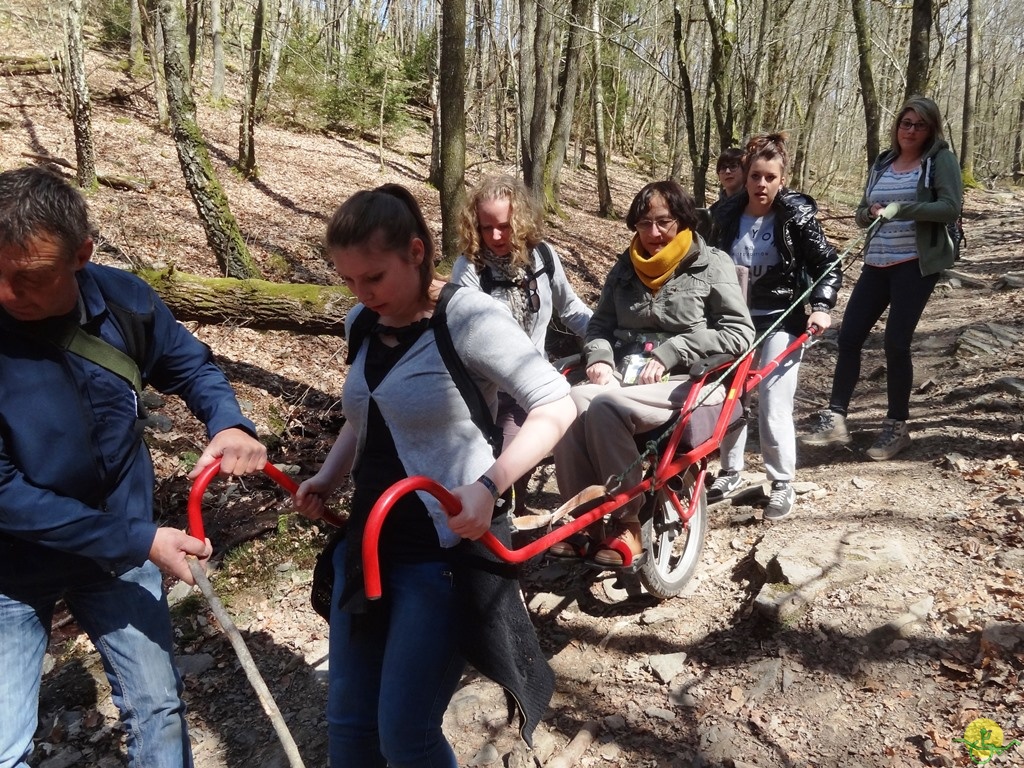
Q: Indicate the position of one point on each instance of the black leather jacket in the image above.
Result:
(804, 250)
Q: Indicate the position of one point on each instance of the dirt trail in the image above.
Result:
(884, 671)
(887, 670)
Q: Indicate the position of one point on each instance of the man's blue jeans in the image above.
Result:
(127, 619)
(391, 680)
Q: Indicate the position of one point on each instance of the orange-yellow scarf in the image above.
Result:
(655, 270)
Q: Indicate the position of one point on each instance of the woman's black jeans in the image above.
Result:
(901, 288)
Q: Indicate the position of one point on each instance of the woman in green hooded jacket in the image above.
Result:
(902, 264)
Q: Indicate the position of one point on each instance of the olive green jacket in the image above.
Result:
(700, 311)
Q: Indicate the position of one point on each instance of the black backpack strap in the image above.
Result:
(361, 326)
(547, 255)
(488, 282)
(479, 411)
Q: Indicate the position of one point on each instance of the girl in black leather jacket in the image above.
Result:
(779, 248)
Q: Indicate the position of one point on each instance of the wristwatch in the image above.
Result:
(487, 483)
(821, 308)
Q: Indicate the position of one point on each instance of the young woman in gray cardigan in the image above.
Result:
(395, 663)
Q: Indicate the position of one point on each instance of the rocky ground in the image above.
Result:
(869, 629)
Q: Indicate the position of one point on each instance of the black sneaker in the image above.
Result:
(781, 501)
(724, 486)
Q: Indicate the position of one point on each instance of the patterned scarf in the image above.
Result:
(655, 270)
(504, 271)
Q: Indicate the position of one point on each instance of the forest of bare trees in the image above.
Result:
(536, 86)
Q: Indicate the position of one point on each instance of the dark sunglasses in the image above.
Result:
(529, 287)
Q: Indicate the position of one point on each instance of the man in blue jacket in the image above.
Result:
(76, 479)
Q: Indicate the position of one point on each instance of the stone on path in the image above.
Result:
(987, 339)
(796, 572)
(666, 666)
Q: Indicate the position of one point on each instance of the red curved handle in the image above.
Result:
(371, 533)
(195, 496)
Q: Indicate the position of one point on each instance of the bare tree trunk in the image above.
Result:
(568, 87)
(247, 126)
(137, 43)
(211, 202)
(866, 77)
(435, 112)
(970, 78)
(814, 100)
(1017, 163)
(526, 80)
(217, 40)
(277, 41)
(501, 99)
(258, 304)
(81, 110)
(605, 206)
(722, 20)
(918, 62)
(481, 113)
(453, 121)
(698, 163)
(193, 23)
(542, 119)
(154, 35)
(751, 100)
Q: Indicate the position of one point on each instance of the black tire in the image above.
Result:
(673, 551)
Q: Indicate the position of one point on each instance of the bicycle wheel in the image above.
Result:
(673, 549)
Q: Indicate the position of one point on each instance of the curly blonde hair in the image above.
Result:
(526, 220)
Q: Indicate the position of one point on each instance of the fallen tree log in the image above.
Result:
(258, 304)
(114, 182)
(29, 65)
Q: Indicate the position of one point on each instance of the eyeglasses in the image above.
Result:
(910, 125)
(648, 225)
(529, 286)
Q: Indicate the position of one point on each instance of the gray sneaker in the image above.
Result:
(781, 501)
(827, 428)
(724, 486)
(894, 437)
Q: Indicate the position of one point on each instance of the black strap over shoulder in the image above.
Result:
(478, 408)
(547, 255)
(361, 326)
(479, 411)
(488, 282)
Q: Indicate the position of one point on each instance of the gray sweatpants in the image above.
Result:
(774, 414)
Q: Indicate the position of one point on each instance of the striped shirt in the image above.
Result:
(895, 241)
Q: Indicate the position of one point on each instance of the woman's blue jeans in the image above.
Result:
(391, 680)
(905, 292)
(127, 619)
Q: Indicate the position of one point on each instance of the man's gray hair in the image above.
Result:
(35, 201)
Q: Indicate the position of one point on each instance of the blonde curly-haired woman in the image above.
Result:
(501, 236)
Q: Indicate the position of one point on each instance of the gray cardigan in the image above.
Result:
(430, 422)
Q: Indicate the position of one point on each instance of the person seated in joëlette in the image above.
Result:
(668, 301)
